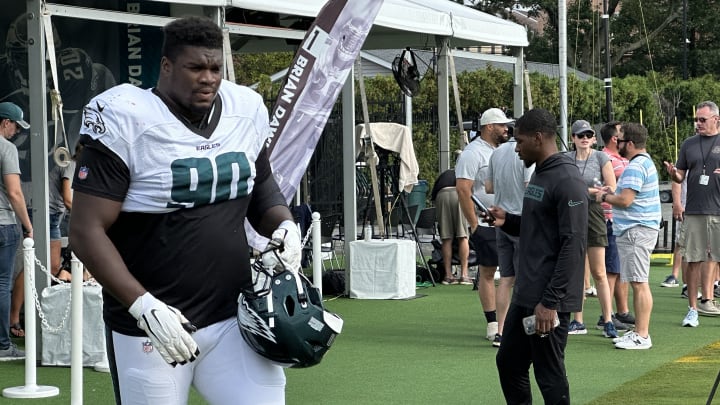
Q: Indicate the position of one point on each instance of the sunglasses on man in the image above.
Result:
(703, 119)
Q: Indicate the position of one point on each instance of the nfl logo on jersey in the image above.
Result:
(83, 172)
(147, 347)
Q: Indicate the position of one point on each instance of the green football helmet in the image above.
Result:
(283, 319)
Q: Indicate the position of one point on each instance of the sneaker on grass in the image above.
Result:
(496, 341)
(619, 326)
(576, 328)
(591, 292)
(684, 294)
(670, 281)
(633, 341)
(11, 353)
(708, 308)
(492, 330)
(691, 319)
(609, 331)
(620, 338)
(627, 318)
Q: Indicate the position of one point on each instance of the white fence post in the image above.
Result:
(30, 389)
(316, 251)
(76, 331)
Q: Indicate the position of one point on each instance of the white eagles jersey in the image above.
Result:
(170, 165)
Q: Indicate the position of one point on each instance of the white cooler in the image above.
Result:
(382, 269)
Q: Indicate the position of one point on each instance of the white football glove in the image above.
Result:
(167, 329)
(290, 252)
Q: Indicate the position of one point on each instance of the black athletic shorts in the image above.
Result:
(484, 243)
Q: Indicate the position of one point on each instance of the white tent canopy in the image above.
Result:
(401, 23)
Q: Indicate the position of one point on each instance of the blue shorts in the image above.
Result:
(55, 220)
(612, 258)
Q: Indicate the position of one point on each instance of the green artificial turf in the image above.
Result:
(431, 350)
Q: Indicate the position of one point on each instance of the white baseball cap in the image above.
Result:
(494, 116)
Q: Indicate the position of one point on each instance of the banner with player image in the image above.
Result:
(91, 56)
(314, 80)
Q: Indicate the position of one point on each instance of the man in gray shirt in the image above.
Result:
(699, 161)
(507, 178)
(12, 203)
(470, 173)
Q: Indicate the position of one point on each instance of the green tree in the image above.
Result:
(645, 35)
(251, 68)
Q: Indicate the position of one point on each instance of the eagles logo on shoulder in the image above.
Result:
(92, 118)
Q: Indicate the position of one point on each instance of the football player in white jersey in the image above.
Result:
(166, 180)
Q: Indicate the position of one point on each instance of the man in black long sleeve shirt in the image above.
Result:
(549, 280)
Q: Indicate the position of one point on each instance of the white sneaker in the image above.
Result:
(623, 337)
(591, 292)
(633, 341)
(492, 330)
(691, 319)
(708, 308)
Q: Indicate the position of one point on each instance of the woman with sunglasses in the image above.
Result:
(596, 169)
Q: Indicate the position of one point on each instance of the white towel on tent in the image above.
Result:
(396, 138)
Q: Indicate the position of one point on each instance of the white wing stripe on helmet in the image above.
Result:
(253, 323)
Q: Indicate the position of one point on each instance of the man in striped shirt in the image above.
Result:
(637, 214)
(610, 133)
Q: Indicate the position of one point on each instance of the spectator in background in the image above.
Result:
(699, 162)
(595, 168)
(609, 133)
(679, 192)
(637, 213)
(507, 178)
(471, 173)
(60, 203)
(452, 226)
(12, 204)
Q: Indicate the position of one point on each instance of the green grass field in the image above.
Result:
(430, 350)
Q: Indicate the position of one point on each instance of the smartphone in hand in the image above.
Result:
(483, 209)
(529, 324)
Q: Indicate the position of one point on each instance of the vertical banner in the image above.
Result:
(140, 45)
(315, 78)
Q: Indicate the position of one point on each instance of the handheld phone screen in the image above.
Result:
(483, 208)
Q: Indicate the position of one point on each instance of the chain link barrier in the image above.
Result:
(55, 329)
(43, 318)
(307, 236)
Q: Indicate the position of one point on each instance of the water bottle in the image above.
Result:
(368, 233)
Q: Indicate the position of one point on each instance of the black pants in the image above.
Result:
(546, 354)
